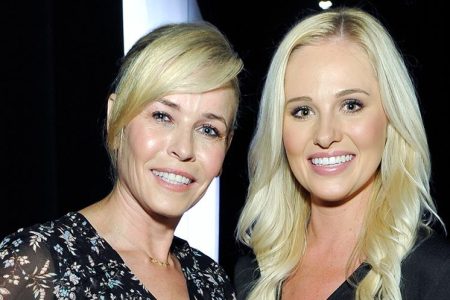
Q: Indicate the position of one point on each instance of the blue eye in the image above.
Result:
(161, 116)
(210, 131)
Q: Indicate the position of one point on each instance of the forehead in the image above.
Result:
(218, 101)
(339, 60)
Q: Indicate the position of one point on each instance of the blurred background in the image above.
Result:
(60, 57)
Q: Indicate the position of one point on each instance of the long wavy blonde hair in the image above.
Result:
(276, 213)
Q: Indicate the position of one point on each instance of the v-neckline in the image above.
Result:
(347, 287)
(116, 256)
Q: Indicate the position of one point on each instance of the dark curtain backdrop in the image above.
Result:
(59, 58)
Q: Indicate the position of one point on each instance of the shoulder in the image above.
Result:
(18, 248)
(27, 266)
(431, 250)
(33, 237)
(56, 238)
(426, 270)
(246, 272)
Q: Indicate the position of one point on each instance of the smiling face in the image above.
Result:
(173, 149)
(334, 126)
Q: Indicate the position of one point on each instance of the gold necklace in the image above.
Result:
(158, 262)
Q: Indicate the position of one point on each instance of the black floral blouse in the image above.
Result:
(67, 259)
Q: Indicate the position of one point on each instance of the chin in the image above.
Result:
(330, 199)
(173, 212)
(167, 212)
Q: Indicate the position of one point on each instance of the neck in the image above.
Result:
(339, 225)
(127, 227)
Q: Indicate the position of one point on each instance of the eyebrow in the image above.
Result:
(301, 98)
(339, 94)
(209, 116)
(169, 103)
(351, 91)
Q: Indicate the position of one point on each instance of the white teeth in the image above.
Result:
(333, 160)
(172, 178)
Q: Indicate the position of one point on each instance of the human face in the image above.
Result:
(174, 148)
(334, 127)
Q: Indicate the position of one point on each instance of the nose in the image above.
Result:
(181, 145)
(327, 132)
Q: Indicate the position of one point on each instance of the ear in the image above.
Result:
(110, 104)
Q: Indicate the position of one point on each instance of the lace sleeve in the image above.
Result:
(26, 268)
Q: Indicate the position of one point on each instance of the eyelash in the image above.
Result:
(354, 102)
(302, 109)
(160, 116)
(349, 102)
(205, 129)
(215, 134)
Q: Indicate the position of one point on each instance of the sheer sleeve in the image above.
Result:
(26, 268)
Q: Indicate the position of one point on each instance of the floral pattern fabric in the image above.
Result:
(66, 259)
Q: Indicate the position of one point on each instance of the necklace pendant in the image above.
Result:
(158, 262)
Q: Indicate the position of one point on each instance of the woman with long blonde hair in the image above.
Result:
(339, 203)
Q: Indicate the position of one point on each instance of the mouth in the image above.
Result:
(172, 178)
(332, 160)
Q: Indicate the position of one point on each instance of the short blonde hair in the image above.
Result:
(174, 58)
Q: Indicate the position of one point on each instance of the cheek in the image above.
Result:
(211, 158)
(371, 134)
(142, 144)
(293, 142)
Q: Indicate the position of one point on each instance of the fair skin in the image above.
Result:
(334, 133)
(168, 156)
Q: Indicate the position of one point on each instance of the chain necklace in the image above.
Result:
(158, 262)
